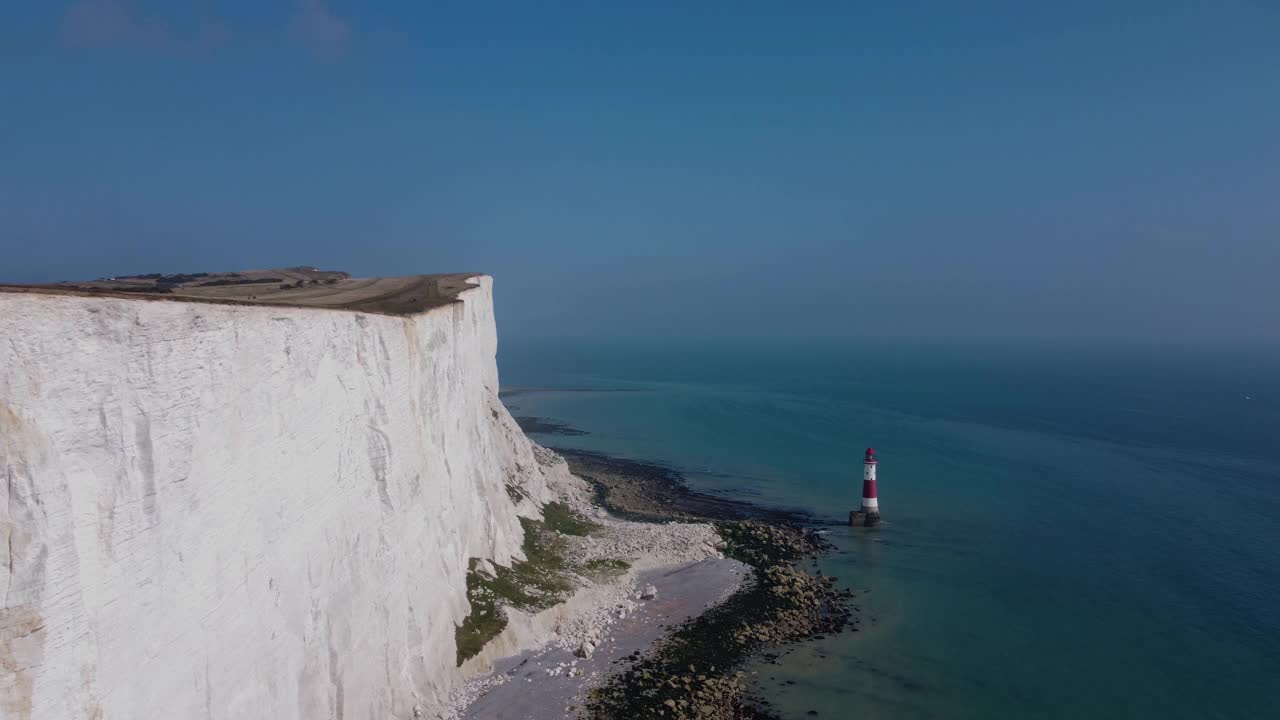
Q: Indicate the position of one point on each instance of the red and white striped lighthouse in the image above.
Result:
(869, 515)
(870, 505)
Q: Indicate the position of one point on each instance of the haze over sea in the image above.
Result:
(1072, 530)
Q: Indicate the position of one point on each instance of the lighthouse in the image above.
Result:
(869, 515)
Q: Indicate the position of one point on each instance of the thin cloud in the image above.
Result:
(213, 32)
(122, 24)
(106, 23)
(317, 29)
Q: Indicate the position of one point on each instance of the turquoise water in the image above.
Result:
(1071, 530)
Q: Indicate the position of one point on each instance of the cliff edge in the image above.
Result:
(240, 508)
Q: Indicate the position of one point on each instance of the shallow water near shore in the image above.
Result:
(550, 692)
(1069, 528)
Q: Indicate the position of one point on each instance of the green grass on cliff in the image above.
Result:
(542, 579)
(603, 569)
(562, 519)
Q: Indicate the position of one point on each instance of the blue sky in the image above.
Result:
(1085, 169)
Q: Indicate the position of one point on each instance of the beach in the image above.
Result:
(627, 642)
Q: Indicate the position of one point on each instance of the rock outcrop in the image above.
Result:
(238, 511)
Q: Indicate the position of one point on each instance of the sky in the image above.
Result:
(671, 169)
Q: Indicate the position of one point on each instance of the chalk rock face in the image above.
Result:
(221, 511)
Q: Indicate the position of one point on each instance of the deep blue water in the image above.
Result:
(1071, 530)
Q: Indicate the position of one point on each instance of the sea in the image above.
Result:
(1070, 529)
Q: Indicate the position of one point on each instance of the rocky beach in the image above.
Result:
(670, 635)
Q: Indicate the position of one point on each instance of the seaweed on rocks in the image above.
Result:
(694, 673)
(647, 492)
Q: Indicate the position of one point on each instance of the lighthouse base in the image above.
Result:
(862, 518)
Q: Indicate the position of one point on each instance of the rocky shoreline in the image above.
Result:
(694, 672)
(613, 651)
(644, 491)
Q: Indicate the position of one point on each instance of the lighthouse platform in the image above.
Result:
(862, 518)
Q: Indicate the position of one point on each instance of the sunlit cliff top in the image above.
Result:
(292, 287)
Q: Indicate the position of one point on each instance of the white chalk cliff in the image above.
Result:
(234, 511)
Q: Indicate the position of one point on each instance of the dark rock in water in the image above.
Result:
(647, 492)
(546, 426)
(784, 606)
(697, 666)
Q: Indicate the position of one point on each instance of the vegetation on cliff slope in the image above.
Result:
(544, 578)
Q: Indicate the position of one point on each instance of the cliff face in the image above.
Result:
(214, 511)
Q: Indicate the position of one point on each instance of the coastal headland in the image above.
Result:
(295, 494)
